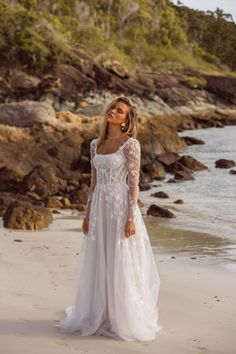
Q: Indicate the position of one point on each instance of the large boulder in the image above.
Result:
(167, 158)
(43, 181)
(27, 113)
(192, 163)
(26, 216)
(155, 170)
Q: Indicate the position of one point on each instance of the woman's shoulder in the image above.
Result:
(133, 142)
(132, 145)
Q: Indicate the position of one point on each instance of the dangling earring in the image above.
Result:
(124, 127)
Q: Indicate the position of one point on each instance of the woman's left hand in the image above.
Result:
(129, 228)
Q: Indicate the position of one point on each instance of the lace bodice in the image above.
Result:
(122, 166)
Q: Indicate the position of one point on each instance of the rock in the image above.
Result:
(224, 163)
(179, 201)
(80, 195)
(116, 68)
(172, 180)
(223, 87)
(72, 82)
(160, 195)
(66, 202)
(190, 140)
(144, 186)
(155, 210)
(9, 179)
(41, 180)
(34, 196)
(140, 203)
(27, 113)
(25, 216)
(167, 158)
(145, 178)
(83, 164)
(232, 172)
(155, 170)
(158, 138)
(177, 166)
(192, 163)
(183, 176)
(6, 198)
(52, 202)
(21, 80)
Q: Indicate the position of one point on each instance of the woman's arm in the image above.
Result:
(93, 180)
(132, 154)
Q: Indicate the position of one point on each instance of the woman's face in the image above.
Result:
(117, 113)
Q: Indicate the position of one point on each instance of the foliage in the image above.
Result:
(212, 31)
(149, 33)
(193, 81)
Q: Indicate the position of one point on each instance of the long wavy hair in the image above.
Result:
(132, 116)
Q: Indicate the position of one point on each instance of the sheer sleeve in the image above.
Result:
(93, 180)
(132, 153)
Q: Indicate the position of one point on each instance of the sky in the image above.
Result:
(229, 6)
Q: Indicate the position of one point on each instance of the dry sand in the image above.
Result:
(196, 300)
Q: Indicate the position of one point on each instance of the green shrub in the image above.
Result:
(193, 81)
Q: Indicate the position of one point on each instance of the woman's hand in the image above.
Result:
(129, 228)
(85, 226)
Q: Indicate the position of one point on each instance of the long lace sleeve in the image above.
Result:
(132, 153)
(93, 180)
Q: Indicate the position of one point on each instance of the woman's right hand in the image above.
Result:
(85, 226)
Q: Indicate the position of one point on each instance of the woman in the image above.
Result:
(118, 282)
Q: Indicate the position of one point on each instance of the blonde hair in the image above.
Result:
(132, 116)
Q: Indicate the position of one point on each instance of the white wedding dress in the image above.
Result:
(117, 281)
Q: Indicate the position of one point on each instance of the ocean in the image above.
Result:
(209, 204)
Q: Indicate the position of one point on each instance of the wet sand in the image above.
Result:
(185, 244)
(196, 300)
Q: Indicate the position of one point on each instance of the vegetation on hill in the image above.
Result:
(152, 34)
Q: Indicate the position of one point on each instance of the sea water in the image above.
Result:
(209, 201)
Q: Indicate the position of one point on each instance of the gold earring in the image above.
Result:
(124, 127)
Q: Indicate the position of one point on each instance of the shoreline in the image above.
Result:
(196, 300)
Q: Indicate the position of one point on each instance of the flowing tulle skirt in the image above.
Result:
(117, 281)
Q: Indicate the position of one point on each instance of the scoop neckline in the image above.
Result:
(112, 153)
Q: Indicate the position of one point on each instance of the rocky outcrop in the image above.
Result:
(222, 87)
(47, 123)
(192, 98)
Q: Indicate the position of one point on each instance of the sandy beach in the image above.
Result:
(196, 300)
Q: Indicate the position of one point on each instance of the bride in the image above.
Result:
(117, 283)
